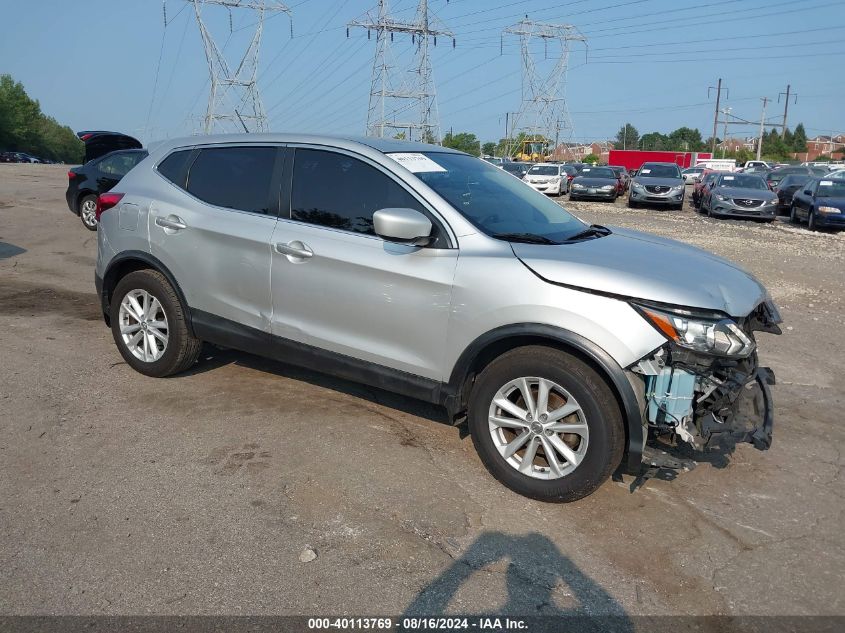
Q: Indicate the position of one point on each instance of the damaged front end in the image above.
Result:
(705, 386)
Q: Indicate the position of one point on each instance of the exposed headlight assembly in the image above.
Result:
(829, 210)
(608, 187)
(638, 186)
(719, 196)
(722, 337)
(576, 185)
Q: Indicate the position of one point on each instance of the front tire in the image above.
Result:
(811, 221)
(793, 215)
(545, 424)
(631, 203)
(149, 326)
(88, 212)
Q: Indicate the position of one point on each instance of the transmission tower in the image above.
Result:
(543, 113)
(234, 103)
(391, 90)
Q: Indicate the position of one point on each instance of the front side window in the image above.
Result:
(830, 188)
(234, 178)
(341, 192)
(495, 203)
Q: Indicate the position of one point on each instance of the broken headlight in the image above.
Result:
(720, 337)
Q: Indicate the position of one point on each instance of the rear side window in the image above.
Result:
(234, 177)
(120, 164)
(341, 192)
(175, 167)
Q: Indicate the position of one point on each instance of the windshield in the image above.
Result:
(544, 170)
(650, 170)
(743, 181)
(493, 201)
(597, 172)
(513, 167)
(831, 189)
(794, 180)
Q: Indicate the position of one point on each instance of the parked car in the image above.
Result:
(702, 185)
(99, 175)
(595, 182)
(787, 187)
(571, 172)
(393, 277)
(493, 160)
(740, 195)
(548, 178)
(518, 169)
(691, 173)
(755, 164)
(623, 176)
(821, 202)
(776, 175)
(657, 183)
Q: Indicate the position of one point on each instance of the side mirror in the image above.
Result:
(808, 192)
(402, 225)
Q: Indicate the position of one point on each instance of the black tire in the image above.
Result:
(85, 212)
(793, 215)
(811, 220)
(601, 411)
(182, 348)
(631, 203)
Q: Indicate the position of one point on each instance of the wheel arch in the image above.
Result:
(79, 196)
(129, 262)
(493, 344)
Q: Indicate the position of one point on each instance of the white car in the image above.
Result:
(548, 178)
(691, 173)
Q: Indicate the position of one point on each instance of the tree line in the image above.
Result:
(24, 128)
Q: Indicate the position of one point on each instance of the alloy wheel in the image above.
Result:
(88, 212)
(538, 428)
(143, 325)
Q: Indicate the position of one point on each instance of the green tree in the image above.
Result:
(489, 149)
(685, 139)
(627, 137)
(590, 158)
(399, 136)
(799, 139)
(774, 147)
(654, 141)
(462, 141)
(24, 128)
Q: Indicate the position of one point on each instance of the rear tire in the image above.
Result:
(171, 348)
(593, 440)
(88, 211)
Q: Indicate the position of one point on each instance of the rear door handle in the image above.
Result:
(294, 249)
(171, 222)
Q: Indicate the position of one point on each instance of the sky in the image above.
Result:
(113, 64)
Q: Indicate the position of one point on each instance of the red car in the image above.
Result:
(702, 185)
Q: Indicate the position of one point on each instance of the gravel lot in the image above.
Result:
(198, 494)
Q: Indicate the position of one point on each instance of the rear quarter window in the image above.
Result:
(175, 167)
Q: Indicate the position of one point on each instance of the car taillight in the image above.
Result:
(771, 184)
(71, 175)
(106, 201)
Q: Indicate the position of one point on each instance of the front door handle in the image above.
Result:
(294, 249)
(171, 222)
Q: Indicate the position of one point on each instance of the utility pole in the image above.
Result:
(786, 106)
(234, 97)
(718, 89)
(543, 95)
(727, 113)
(765, 100)
(388, 88)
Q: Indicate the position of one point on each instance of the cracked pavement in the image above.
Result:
(122, 494)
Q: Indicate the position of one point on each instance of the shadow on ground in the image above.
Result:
(213, 357)
(541, 582)
(10, 250)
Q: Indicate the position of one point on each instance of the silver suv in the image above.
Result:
(428, 272)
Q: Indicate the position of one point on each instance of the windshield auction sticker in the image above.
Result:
(417, 163)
